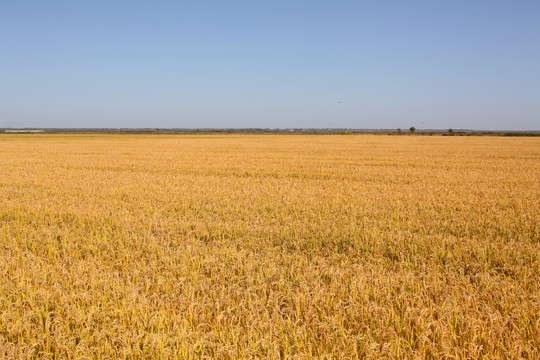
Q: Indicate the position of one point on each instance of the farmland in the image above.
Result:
(269, 246)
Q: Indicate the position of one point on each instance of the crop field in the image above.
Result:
(269, 246)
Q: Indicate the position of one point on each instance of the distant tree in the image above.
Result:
(450, 131)
(412, 129)
(399, 130)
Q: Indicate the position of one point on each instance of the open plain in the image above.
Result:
(269, 246)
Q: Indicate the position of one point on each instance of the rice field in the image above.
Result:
(269, 247)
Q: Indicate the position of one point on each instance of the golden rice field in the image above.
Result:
(269, 247)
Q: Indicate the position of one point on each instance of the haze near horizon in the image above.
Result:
(278, 64)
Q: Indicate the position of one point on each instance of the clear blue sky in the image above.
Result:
(275, 63)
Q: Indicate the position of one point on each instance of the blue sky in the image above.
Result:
(270, 64)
